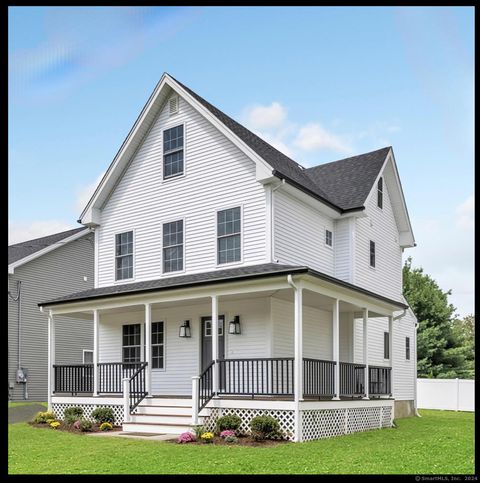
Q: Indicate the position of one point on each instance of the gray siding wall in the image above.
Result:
(54, 274)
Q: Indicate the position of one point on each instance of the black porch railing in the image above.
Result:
(318, 378)
(352, 379)
(205, 387)
(137, 388)
(73, 378)
(110, 375)
(379, 380)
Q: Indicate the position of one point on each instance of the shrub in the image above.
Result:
(77, 424)
(48, 421)
(55, 424)
(226, 433)
(186, 438)
(231, 439)
(106, 427)
(41, 417)
(265, 427)
(231, 421)
(199, 430)
(207, 437)
(85, 425)
(73, 411)
(103, 415)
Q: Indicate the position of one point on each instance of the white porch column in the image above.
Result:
(148, 348)
(215, 342)
(390, 350)
(126, 399)
(365, 351)
(51, 359)
(95, 352)
(298, 361)
(195, 394)
(336, 346)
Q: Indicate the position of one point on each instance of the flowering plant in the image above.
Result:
(54, 424)
(186, 438)
(76, 424)
(227, 432)
(207, 437)
(106, 427)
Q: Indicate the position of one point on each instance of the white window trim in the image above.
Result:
(383, 193)
(83, 354)
(409, 348)
(169, 125)
(176, 272)
(242, 228)
(330, 247)
(376, 254)
(142, 342)
(389, 355)
(123, 280)
(158, 369)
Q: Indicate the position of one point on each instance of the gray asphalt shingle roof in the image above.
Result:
(226, 275)
(343, 184)
(24, 249)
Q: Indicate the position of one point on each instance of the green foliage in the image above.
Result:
(72, 414)
(103, 415)
(199, 430)
(230, 421)
(231, 439)
(85, 425)
(42, 417)
(265, 427)
(441, 349)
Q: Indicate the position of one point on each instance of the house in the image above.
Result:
(47, 267)
(202, 228)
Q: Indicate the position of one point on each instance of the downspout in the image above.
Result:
(18, 298)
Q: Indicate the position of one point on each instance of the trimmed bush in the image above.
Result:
(231, 421)
(41, 417)
(103, 415)
(76, 411)
(265, 427)
(85, 425)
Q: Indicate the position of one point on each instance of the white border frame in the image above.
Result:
(330, 247)
(83, 355)
(242, 228)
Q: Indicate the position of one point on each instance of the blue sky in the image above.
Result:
(319, 83)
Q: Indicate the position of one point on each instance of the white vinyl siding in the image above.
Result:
(217, 175)
(342, 250)
(299, 234)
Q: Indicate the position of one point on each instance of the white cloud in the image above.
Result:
(19, 232)
(85, 193)
(265, 117)
(465, 214)
(314, 137)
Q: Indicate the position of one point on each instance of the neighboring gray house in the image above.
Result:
(46, 267)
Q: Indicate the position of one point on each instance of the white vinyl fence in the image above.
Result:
(453, 394)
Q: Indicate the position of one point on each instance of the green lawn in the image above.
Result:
(441, 442)
(26, 403)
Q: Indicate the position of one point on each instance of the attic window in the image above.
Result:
(173, 105)
(380, 193)
(173, 152)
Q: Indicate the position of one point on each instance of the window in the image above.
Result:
(173, 152)
(372, 253)
(208, 326)
(131, 343)
(407, 348)
(386, 345)
(87, 357)
(228, 233)
(328, 238)
(158, 342)
(173, 246)
(380, 193)
(124, 255)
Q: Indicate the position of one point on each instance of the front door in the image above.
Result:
(207, 340)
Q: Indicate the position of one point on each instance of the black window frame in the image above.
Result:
(122, 256)
(223, 234)
(386, 345)
(166, 248)
(407, 348)
(137, 347)
(372, 254)
(380, 193)
(156, 358)
(169, 152)
(329, 238)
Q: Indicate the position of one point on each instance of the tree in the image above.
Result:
(464, 333)
(441, 350)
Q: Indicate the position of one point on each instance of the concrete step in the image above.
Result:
(157, 428)
(152, 409)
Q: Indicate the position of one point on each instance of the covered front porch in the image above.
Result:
(284, 343)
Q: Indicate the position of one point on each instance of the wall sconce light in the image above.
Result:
(234, 325)
(185, 329)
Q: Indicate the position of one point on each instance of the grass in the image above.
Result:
(26, 403)
(441, 442)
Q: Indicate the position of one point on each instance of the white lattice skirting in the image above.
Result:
(58, 409)
(325, 423)
(285, 418)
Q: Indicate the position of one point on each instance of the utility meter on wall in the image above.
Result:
(22, 374)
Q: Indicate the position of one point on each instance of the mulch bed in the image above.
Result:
(242, 441)
(70, 429)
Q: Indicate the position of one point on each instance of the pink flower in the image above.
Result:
(227, 432)
(186, 438)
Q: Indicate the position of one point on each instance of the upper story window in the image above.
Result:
(124, 255)
(229, 235)
(386, 345)
(131, 343)
(407, 348)
(372, 253)
(173, 246)
(328, 238)
(380, 193)
(173, 152)
(158, 342)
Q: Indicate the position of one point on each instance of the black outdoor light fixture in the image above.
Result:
(185, 329)
(234, 325)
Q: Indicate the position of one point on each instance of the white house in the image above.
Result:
(203, 228)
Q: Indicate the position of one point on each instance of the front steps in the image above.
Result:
(161, 416)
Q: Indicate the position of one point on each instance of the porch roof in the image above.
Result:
(196, 279)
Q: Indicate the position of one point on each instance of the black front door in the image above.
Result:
(207, 340)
